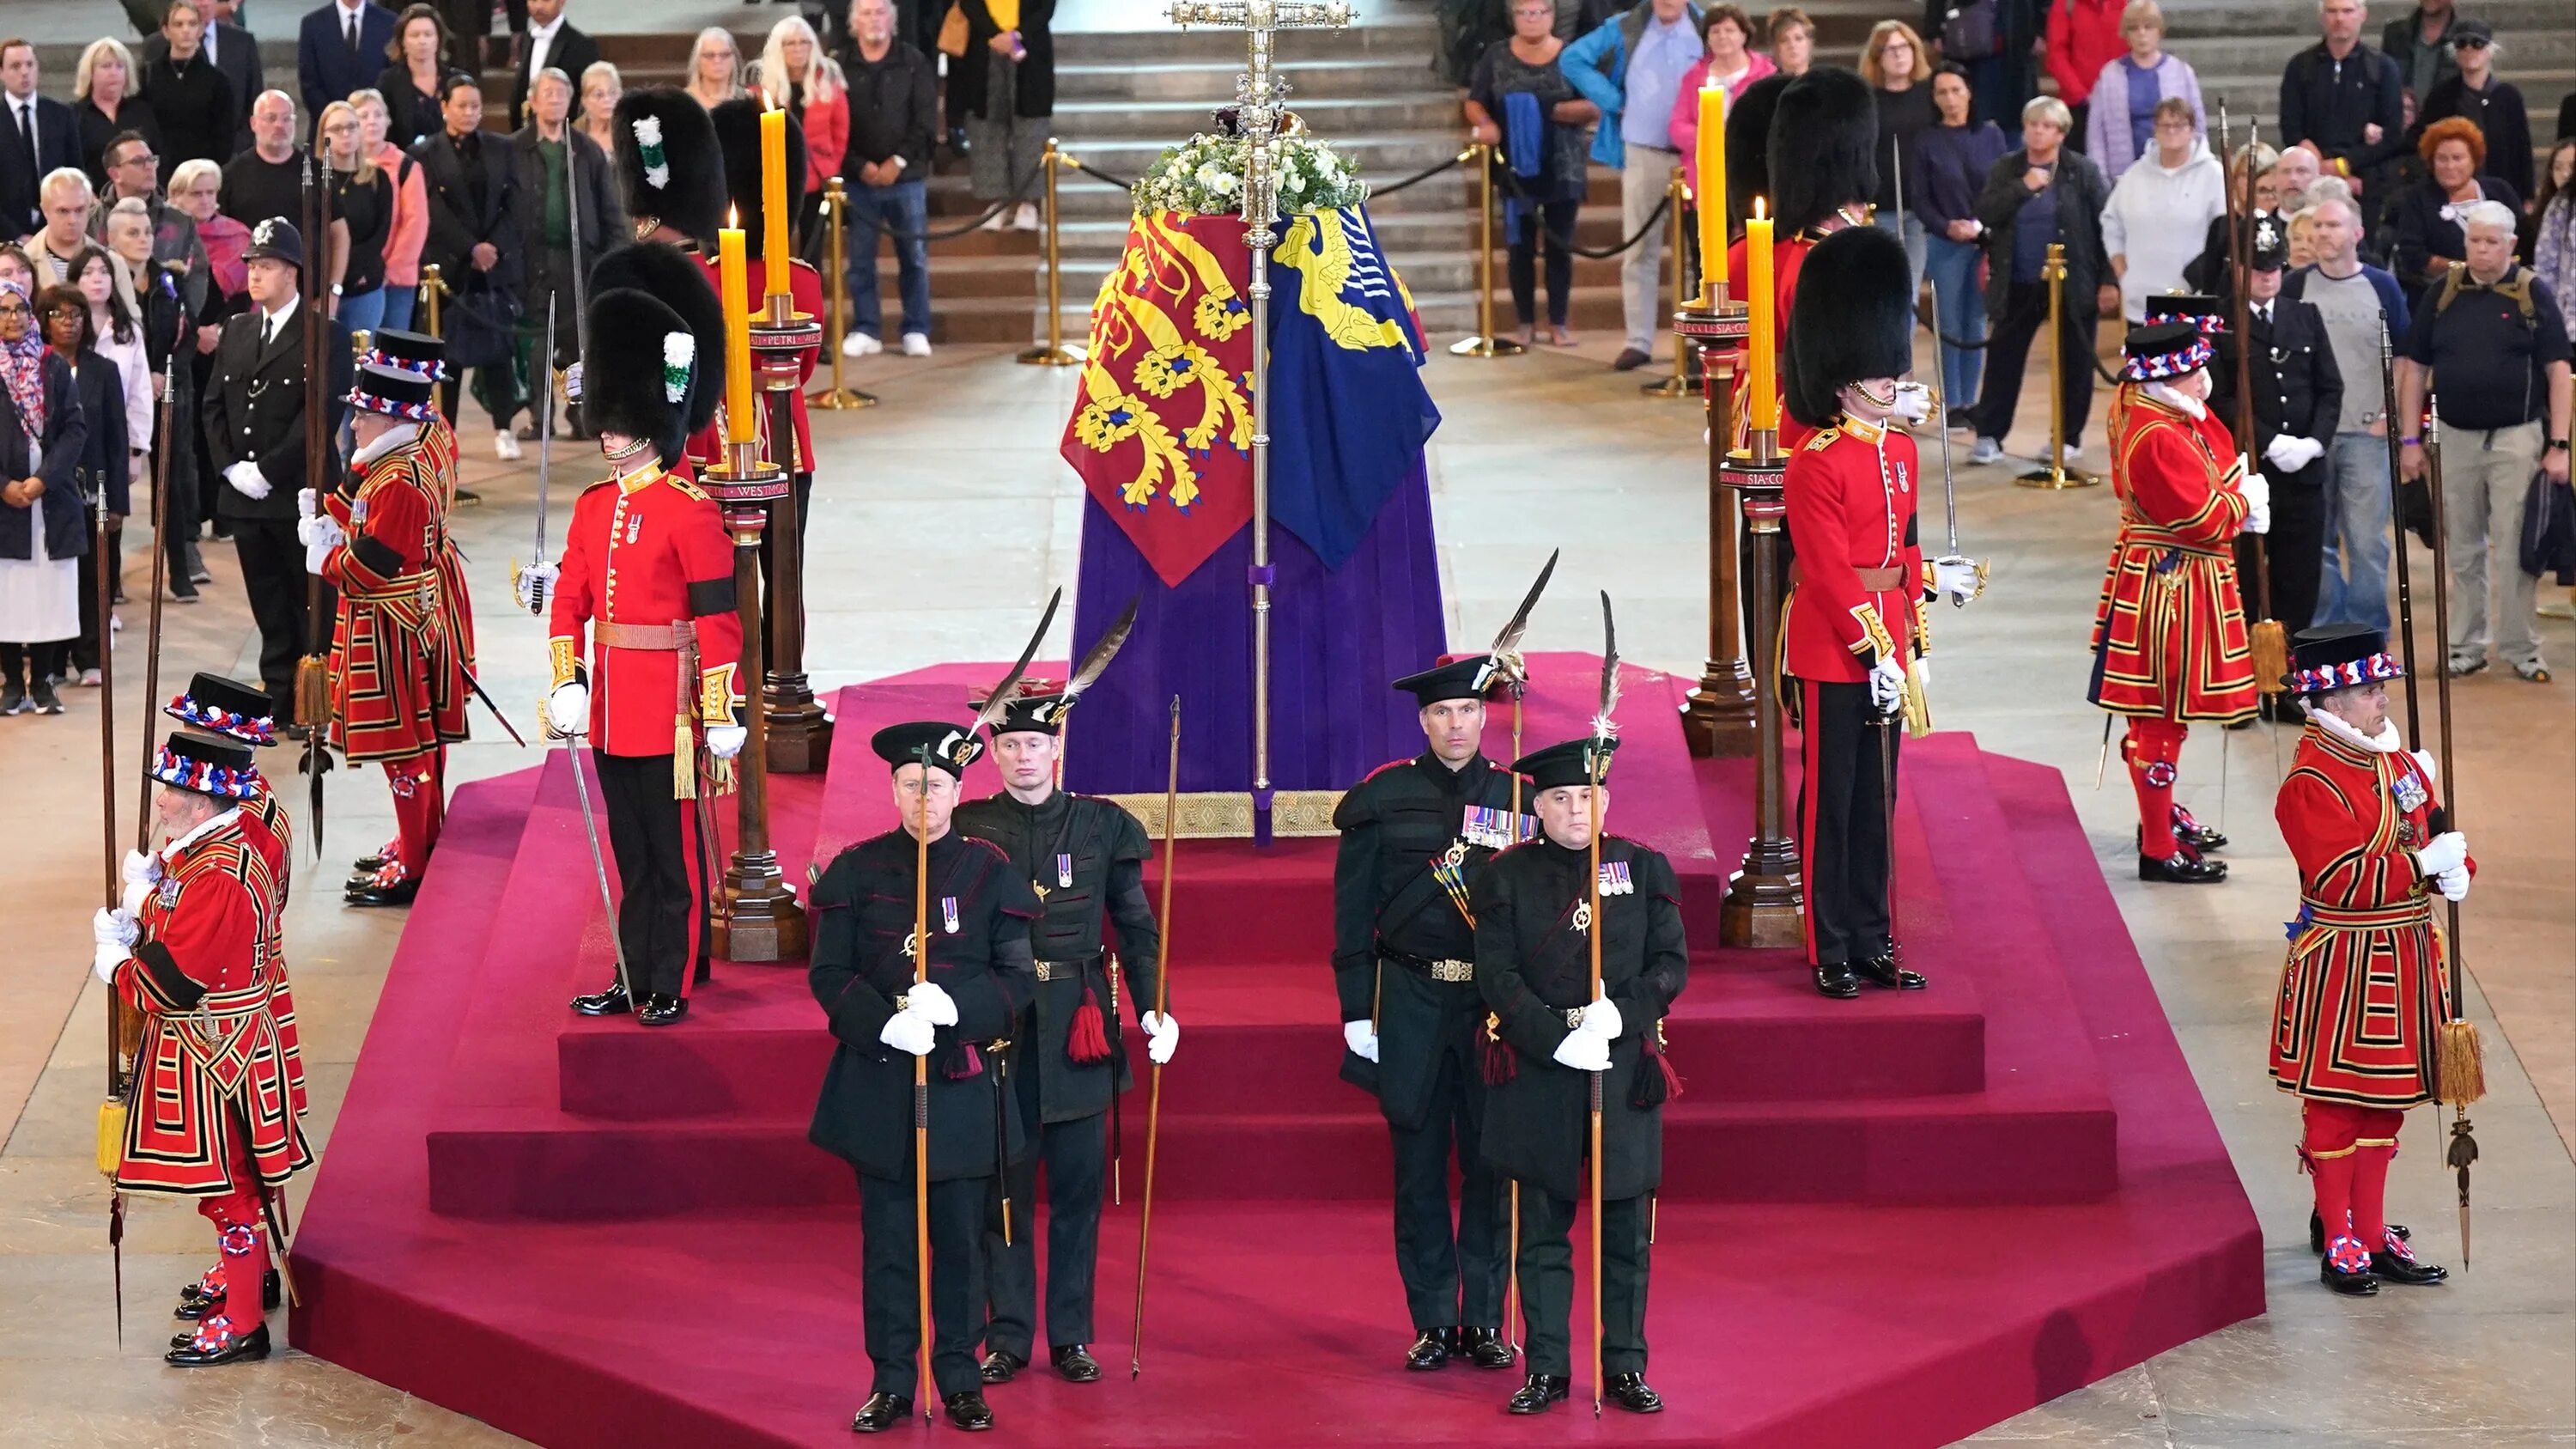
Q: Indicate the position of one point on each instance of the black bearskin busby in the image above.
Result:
(646, 373)
(737, 124)
(1748, 143)
(1853, 317)
(1823, 148)
(671, 169)
(659, 269)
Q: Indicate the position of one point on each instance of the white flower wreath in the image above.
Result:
(1205, 176)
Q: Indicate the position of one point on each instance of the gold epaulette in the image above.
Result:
(1824, 438)
(687, 489)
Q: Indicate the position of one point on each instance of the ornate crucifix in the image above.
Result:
(1258, 92)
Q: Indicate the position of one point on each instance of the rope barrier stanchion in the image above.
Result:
(1485, 343)
(838, 397)
(1054, 353)
(2054, 474)
(1677, 197)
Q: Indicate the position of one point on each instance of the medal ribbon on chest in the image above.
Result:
(2410, 792)
(1064, 871)
(1615, 880)
(1495, 829)
(948, 913)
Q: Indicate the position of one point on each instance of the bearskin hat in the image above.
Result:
(1748, 143)
(1853, 317)
(737, 124)
(668, 164)
(645, 371)
(1823, 147)
(659, 269)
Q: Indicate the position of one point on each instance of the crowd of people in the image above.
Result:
(2397, 180)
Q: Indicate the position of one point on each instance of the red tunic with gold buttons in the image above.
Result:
(805, 285)
(211, 1054)
(2363, 989)
(648, 551)
(2169, 637)
(396, 686)
(1858, 585)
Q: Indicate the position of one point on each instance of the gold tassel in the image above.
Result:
(313, 691)
(684, 760)
(1918, 706)
(2459, 1063)
(2271, 655)
(111, 1137)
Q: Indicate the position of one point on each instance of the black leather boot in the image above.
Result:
(967, 1410)
(612, 1002)
(1835, 979)
(1539, 1393)
(1432, 1349)
(1000, 1366)
(1629, 1392)
(1883, 971)
(662, 1009)
(1074, 1363)
(1486, 1348)
(880, 1413)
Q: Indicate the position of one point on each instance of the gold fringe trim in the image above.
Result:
(684, 760)
(2271, 645)
(2459, 1063)
(313, 691)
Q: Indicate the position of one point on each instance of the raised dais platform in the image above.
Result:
(1961, 1201)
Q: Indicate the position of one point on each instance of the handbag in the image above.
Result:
(952, 32)
(1972, 31)
(481, 326)
(2549, 530)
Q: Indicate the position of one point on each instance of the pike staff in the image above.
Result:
(1514, 667)
(1162, 1005)
(1603, 731)
(2270, 643)
(2459, 1066)
(313, 671)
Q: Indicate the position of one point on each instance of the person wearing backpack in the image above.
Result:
(2491, 348)
(1995, 41)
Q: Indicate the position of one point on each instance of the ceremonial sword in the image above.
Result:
(545, 457)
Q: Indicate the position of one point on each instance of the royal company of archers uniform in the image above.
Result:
(1415, 837)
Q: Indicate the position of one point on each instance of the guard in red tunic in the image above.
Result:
(648, 568)
(2169, 638)
(397, 684)
(1854, 619)
(2363, 991)
(212, 1114)
(241, 712)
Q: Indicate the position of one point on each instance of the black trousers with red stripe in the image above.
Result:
(654, 840)
(1843, 846)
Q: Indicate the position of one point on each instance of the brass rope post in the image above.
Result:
(1677, 200)
(1485, 343)
(836, 204)
(2053, 474)
(1053, 353)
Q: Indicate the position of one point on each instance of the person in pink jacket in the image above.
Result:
(1726, 52)
(794, 75)
(410, 227)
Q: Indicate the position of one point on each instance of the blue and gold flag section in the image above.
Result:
(1162, 434)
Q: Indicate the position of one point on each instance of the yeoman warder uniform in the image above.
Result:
(1416, 837)
(981, 979)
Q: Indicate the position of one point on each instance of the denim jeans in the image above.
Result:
(2353, 586)
(399, 303)
(1912, 234)
(903, 207)
(1952, 265)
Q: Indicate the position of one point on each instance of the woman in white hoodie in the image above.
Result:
(2160, 211)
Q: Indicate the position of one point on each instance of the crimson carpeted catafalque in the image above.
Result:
(1886, 1222)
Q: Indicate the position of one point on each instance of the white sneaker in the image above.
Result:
(1026, 218)
(998, 221)
(505, 445)
(860, 344)
(916, 344)
(1985, 453)
(2070, 457)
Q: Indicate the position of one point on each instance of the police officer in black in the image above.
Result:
(980, 980)
(1085, 859)
(255, 437)
(1548, 1035)
(1415, 836)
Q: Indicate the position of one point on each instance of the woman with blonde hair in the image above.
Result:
(715, 69)
(794, 75)
(2120, 116)
(1899, 70)
(107, 93)
(601, 85)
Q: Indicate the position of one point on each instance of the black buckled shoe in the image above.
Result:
(2181, 869)
(880, 1413)
(216, 1344)
(1486, 1348)
(1074, 1363)
(2352, 1277)
(661, 1009)
(612, 1002)
(2194, 834)
(1000, 1366)
(400, 893)
(196, 1302)
(1539, 1393)
(2396, 1263)
(2316, 1235)
(1883, 971)
(1431, 1350)
(967, 1410)
(1629, 1392)
(1835, 979)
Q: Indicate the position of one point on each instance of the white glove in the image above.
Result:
(1956, 577)
(104, 962)
(568, 709)
(725, 741)
(1887, 684)
(2453, 884)
(247, 480)
(2424, 761)
(1601, 1018)
(1913, 402)
(1361, 1038)
(908, 1031)
(930, 1001)
(306, 501)
(2444, 852)
(1162, 1036)
(2290, 452)
(142, 873)
(2257, 492)
(1584, 1050)
(113, 928)
(535, 586)
(319, 530)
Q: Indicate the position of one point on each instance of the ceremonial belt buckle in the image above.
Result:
(1453, 971)
(1063, 970)
(1573, 1017)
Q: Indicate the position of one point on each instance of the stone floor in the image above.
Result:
(944, 513)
